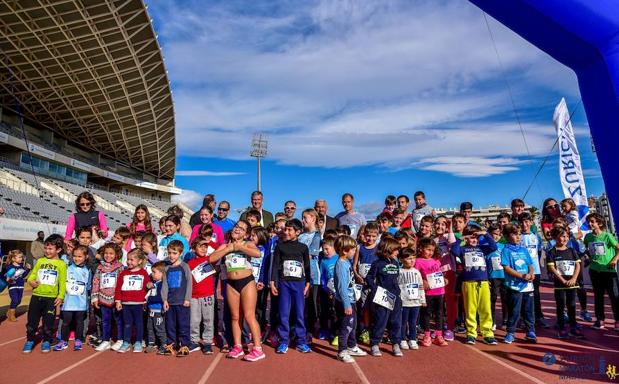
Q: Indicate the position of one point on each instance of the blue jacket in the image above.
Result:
(384, 273)
(327, 272)
(177, 236)
(343, 280)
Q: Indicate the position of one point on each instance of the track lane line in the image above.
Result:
(504, 364)
(211, 368)
(12, 341)
(70, 367)
(360, 373)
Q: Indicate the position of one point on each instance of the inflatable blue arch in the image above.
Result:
(583, 35)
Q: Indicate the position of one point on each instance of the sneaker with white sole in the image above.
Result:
(124, 347)
(345, 357)
(104, 346)
(376, 351)
(254, 355)
(116, 346)
(412, 344)
(397, 351)
(403, 344)
(356, 351)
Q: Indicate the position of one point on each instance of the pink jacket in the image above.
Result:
(218, 234)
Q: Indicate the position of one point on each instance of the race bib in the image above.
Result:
(162, 254)
(202, 271)
(528, 287)
(331, 285)
(533, 251)
(357, 289)
(474, 260)
(132, 283)
(235, 262)
(384, 298)
(47, 276)
(364, 268)
(18, 273)
(255, 271)
(411, 291)
(148, 268)
(108, 280)
(435, 280)
(597, 249)
(496, 263)
(293, 268)
(566, 267)
(75, 288)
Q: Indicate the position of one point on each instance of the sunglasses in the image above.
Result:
(293, 208)
(554, 206)
(223, 209)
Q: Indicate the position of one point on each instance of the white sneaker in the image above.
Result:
(345, 357)
(403, 344)
(116, 346)
(356, 351)
(397, 351)
(412, 344)
(494, 327)
(104, 346)
(376, 351)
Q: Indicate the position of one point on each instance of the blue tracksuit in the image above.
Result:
(384, 274)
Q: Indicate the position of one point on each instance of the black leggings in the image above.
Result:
(70, 318)
(497, 290)
(563, 298)
(605, 283)
(434, 306)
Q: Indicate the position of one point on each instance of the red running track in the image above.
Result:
(522, 362)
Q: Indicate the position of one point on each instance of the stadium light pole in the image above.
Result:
(259, 151)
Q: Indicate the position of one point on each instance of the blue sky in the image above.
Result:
(371, 97)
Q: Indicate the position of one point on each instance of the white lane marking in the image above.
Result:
(70, 367)
(210, 369)
(504, 364)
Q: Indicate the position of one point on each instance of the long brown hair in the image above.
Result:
(147, 221)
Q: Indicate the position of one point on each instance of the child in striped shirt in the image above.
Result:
(412, 295)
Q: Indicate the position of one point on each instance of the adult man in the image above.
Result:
(37, 246)
(321, 207)
(290, 207)
(257, 198)
(354, 220)
(403, 202)
(421, 209)
(209, 201)
(222, 219)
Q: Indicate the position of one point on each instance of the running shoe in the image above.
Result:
(403, 344)
(345, 357)
(77, 345)
(460, 329)
(490, 341)
(124, 347)
(323, 335)
(531, 336)
(137, 347)
(427, 341)
(509, 338)
(161, 350)
(282, 348)
(94, 341)
(254, 355)
(599, 325)
(585, 316)
(412, 344)
(493, 327)
(356, 351)
(470, 340)
(448, 335)
(194, 347)
(576, 333)
(397, 352)
(60, 346)
(116, 346)
(440, 341)
(376, 351)
(168, 350)
(28, 346)
(304, 348)
(236, 352)
(150, 348)
(46, 347)
(364, 337)
(104, 346)
(183, 351)
(207, 349)
(335, 341)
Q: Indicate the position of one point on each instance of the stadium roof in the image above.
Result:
(93, 72)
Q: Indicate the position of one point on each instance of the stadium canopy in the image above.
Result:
(92, 72)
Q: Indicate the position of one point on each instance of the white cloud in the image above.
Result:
(208, 173)
(470, 166)
(190, 198)
(353, 83)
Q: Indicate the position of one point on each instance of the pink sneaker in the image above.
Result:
(254, 355)
(236, 352)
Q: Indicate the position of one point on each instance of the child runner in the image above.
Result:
(130, 297)
(444, 237)
(141, 222)
(48, 280)
(564, 265)
(202, 297)
(429, 265)
(172, 226)
(290, 281)
(311, 238)
(102, 296)
(497, 276)
(121, 237)
(155, 323)
(471, 264)
(260, 270)
(75, 305)
(343, 282)
(365, 256)
(176, 291)
(568, 208)
(413, 297)
(421, 209)
(14, 273)
(519, 276)
(533, 243)
(327, 270)
(602, 248)
(382, 279)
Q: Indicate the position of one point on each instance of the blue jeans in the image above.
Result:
(178, 325)
(518, 300)
(409, 318)
(109, 314)
(291, 296)
(133, 316)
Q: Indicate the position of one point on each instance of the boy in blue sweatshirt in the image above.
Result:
(327, 270)
(343, 282)
(155, 326)
(519, 276)
(382, 279)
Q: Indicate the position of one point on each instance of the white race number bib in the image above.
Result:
(474, 260)
(357, 289)
(384, 298)
(108, 280)
(47, 276)
(75, 288)
(293, 268)
(496, 263)
(566, 267)
(410, 291)
(435, 280)
(202, 271)
(235, 262)
(132, 282)
(364, 268)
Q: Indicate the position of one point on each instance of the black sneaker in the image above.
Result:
(194, 347)
(161, 350)
(490, 340)
(470, 340)
(207, 349)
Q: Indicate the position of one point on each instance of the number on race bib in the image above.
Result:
(108, 280)
(133, 283)
(411, 291)
(47, 276)
(235, 262)
(75, 288)
(384, 298)
(293, 268)
(474, 260)
(496, 263)
(435, 280)
(566, 267)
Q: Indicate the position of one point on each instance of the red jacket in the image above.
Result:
(131, 287)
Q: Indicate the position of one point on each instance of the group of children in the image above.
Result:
(160, 295)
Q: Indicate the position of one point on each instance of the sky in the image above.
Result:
(369, 97)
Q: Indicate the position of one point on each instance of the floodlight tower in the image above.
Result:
(259, 151)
